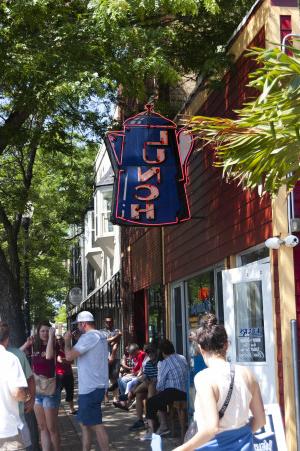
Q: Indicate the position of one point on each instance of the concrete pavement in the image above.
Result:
(117, 422)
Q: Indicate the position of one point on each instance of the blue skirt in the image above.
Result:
(234, 440)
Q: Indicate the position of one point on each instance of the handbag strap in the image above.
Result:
(228, 397)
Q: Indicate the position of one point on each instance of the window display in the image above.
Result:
(201, 297)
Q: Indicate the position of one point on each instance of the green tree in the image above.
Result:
(61, 189)
(261, 148)
(61, 316)
(61, 64)
(50, 79)
(161, 40)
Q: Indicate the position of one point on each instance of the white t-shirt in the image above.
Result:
(11, 377)
(92, 362)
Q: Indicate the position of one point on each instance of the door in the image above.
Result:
(139, 317)
(248, 318)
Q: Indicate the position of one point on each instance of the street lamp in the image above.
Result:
(26, 221)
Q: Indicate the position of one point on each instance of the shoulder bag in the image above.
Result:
(193, 429)
(45, 386)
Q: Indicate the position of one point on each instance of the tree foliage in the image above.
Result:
(53, 106)
(61, 316)
(261, 147)
(61, 65)
(165, 39)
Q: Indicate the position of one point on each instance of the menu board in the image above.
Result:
(250, 343)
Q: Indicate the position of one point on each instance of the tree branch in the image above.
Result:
(14, 121)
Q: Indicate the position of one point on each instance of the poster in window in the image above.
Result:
(251, 345)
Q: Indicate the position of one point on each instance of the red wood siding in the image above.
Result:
(285, 29)
(234, 220)
(141, 257)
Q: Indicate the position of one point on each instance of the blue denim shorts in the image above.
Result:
(49, 402)
(89, 407)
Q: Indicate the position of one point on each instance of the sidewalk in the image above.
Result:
(117, 423)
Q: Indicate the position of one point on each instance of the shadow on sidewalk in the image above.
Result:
(116, 422)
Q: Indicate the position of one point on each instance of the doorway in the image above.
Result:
(248, 318)
(139, 317)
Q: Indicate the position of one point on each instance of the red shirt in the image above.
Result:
(138, 360)
(65, 367)
(42, 366)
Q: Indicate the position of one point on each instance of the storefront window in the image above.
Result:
(249, 322)
(253, 256)
(201, 297)
(156, 314)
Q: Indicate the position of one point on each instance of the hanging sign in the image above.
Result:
(150, 173)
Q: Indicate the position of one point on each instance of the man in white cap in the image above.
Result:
(91, 352)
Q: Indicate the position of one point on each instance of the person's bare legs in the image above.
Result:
(162, 420)
(86, 437)
(102, 437)
(71, 405)
(151, 389)
(42, 424)
(51, 416)
(115, 395)
(150, 425)
(139, 407)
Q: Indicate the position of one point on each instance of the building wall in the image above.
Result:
(146, 259)
(225, 219)
(141, 267)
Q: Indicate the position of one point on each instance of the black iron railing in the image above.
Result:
(103, 301)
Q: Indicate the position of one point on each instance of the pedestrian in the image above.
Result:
(223, 425)
(13, 389)
(28, 406)
(64, 374)
(42, 349)
(113, 340)
(91, 352)
(172, 381)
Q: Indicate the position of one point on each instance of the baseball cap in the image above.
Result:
(84, 316)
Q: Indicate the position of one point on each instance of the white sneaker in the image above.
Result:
(147, 436)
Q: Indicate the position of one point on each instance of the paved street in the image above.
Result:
(117, 422)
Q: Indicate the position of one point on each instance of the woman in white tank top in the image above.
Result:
(232, 431)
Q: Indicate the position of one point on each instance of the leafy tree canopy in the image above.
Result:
(61, 65)
(165, 39)
(261, 148)
(61, 316)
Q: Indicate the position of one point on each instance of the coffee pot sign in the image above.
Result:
(150, 171)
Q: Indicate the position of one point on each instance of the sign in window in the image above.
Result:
(249, 322)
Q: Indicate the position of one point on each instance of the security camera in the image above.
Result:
(291, 241)
(273, 243)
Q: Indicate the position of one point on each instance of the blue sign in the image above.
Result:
(150, 172)
(271, 436)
